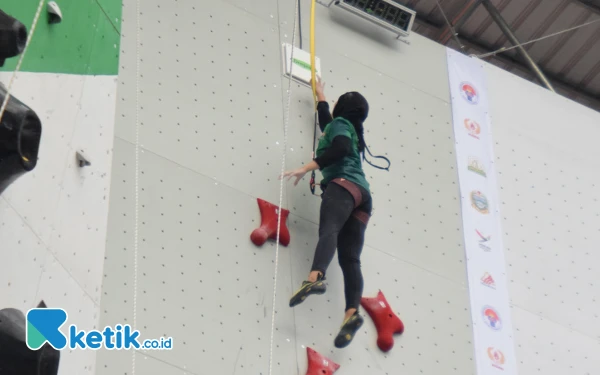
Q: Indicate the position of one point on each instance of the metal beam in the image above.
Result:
(462, 17)
(587, 4)
(497, 17)
(518, 22)
(506, 59)
(509, 60)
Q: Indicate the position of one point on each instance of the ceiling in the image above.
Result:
(570, 61)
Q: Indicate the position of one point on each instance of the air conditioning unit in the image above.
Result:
(388, 14)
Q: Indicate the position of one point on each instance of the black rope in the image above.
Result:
(300, 21)
(313, 174)
(376, 157)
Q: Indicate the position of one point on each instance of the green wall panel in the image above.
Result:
(85, 42)
(112, 9)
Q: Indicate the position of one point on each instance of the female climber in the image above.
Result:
(346, 203)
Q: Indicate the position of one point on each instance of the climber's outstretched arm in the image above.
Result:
(340, 147)
(324, 114)
(322, 106)
(300, 172)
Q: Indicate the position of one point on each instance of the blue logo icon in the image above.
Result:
(43, 325)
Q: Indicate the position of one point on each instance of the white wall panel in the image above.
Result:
(23, 262)
(546, 154)
(200, 279)
(53, 219)
(420, 64)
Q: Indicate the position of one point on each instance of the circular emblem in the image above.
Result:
(496, 357)
(469, 93)
(473, 128)
(491, 318)
(480, 202)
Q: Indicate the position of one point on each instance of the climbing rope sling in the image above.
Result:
(312, 182)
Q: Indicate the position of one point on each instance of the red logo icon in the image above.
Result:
(491, 318)
(469, 93)
(483, 241)
(488, 280)
(473, 128)
(497, 358)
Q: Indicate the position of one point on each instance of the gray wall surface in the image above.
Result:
(212, 114)
(53, 219)
(546, 156)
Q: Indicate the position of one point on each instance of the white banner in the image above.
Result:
(488, 289)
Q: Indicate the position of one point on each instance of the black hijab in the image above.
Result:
(353, 107)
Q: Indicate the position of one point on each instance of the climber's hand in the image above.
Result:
(320, 90)
(298, 173)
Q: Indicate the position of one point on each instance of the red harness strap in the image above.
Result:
(362, 216)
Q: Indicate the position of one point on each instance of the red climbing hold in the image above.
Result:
(319, 364)
(386, 321)
(268, 225)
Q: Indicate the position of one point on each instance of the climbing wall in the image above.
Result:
(212, 105)
(53, 219)
(546, 153)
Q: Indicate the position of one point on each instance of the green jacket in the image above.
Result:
(350, 166)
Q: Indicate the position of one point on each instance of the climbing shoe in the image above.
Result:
(308, 288)
(348, 330)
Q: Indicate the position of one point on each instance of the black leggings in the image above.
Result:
(343, 222)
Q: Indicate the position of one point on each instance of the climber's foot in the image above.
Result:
(308, 288)
(348, 330)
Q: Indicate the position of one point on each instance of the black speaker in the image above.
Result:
(20, 135)
(15, 357)
(13, 37)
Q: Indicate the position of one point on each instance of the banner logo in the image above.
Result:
(480, 202)
(481, 216)
(491, 318)
(488, 280)
(476, 166)
(473, 128)
(483, 241)
(496, 357)
(469, 92)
